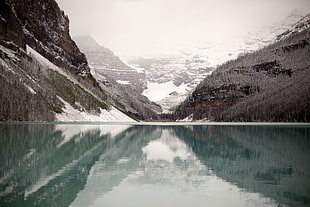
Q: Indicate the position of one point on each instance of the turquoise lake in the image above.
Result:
(162, 165)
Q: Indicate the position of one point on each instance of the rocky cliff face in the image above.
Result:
(46, 29)
(8, 31)
(267, 85)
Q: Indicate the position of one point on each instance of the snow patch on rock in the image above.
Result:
(71, 114)
(123, 82)
(30, 89)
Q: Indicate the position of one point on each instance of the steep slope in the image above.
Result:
(44, 76)
(122, 84)
(105, 63)
(34, 89)
(270, 84)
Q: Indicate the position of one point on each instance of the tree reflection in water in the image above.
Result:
(59, 165)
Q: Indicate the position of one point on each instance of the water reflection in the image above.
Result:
(271, 160)
(120, 165)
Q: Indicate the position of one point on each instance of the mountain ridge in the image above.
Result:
(299, 26)
(269, 84)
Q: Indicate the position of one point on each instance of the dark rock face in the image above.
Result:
(272, 68)
(46, 29)
(299, 45)
(10, 26)
(210, 101)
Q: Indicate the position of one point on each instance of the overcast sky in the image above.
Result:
(135, 27)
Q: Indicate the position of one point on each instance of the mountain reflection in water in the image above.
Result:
(125, 165)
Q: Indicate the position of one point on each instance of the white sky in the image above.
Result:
(136, 27)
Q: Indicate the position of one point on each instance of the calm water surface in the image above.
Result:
(80, 165)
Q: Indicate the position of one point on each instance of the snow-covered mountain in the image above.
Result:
(172, 75)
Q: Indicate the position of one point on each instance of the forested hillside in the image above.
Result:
(271, 84)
